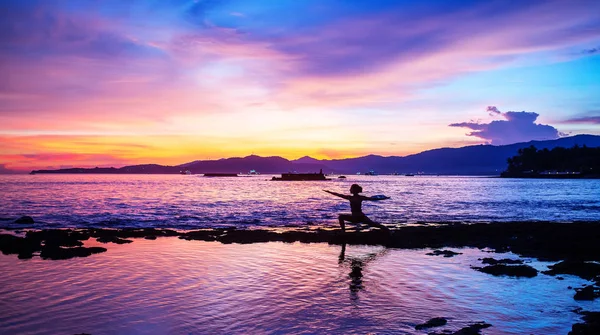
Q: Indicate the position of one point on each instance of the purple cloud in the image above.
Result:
(587, 119)
(493, 110)
(517, 127)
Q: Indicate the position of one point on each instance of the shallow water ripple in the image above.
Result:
(172, 286)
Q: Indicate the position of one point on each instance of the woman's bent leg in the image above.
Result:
(342, 218)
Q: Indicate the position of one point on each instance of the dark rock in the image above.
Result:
(150, 237)
(543, 240)
(201, 235)
(587, 293)
(66, 253)
(25, 255)
(585, 270)
(446, 253)
(435, 322)
(493, 261)
(509, 270)
(10, 244)
(25, 220)
(591, 325)
(58, 237)
(112, 239)
(473, 329)
(548, 240)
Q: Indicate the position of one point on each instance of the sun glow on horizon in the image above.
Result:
(114, 84)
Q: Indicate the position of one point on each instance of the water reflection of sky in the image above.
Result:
(176, 286)
(189, 202)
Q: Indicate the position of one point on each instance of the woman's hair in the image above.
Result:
(355, 188)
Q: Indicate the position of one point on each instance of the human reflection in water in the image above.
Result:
(357, 264)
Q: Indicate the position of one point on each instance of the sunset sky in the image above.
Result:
(113, 83)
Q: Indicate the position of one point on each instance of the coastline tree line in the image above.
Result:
(575, 162)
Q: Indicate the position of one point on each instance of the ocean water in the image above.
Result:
(188, 202)
(173, 286)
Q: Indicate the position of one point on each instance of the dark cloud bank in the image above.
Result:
(516, 127)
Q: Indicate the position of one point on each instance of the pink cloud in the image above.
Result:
(84, 73)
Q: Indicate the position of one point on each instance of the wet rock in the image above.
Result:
(57, 237)
(435, 322)
(585, 270)
(509, 270)
(590, 326)
(10, 244)
(56, 253)
(473, 329)
(25, 220)
(587, 293)
(111, 235)
(445, 253)
(493, 261)
(199, 235)
(112, 239)
(543, 240)
(547, 240)
(249, 236)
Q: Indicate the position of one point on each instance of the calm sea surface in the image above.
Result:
(172, 286)
(188, 202)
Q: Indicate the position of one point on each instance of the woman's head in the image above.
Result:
(355, 189)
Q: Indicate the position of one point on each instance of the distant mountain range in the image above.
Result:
(469, 160)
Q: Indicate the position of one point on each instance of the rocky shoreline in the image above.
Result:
(574, 246)
(550, 241)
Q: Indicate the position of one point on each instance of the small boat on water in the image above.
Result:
(371, 173)
(294, 176)
(186, 172)
(220, 175)
(409, 175)
(253, 173)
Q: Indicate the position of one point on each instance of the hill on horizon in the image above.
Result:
(483, 159)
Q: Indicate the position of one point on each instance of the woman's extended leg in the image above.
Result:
(372, 223)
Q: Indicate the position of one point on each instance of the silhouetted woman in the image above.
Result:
(357, 215)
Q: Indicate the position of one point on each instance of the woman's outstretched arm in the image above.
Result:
(376, 198)
(338, 194)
